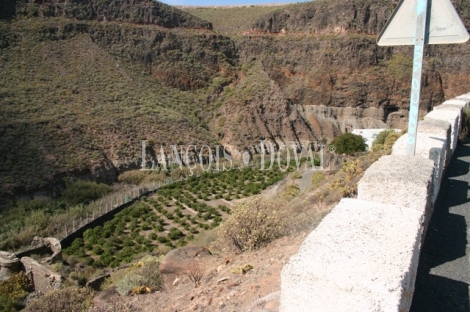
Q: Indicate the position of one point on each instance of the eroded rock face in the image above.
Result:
(134, 11)
(44, 279)
(9, 263)
(53, 244)
(322, 57)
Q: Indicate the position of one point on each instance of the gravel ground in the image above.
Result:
(443, 277)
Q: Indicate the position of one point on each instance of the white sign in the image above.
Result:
(445, 25)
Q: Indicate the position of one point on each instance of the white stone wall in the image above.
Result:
(364, 255)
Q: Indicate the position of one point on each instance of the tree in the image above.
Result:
(349, 143)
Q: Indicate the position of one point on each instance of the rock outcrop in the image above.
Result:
(53, 244)
(130, 11)
(9, 263)
(44, 279)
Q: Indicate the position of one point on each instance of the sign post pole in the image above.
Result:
(420, 38)
(420, 22)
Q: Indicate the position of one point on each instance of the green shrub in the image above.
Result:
(380, 139)
(175, 234)
(8, 305)
(79, 278)
(162, 239)
(349, 143)
(83, 192)
(14, 289)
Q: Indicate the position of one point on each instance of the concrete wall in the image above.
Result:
(364, 255)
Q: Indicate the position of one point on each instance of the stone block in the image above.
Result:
(452, 117)
(462, 102)
(9, 263)
(428, 146)
(464, 97)
(362, 257)
(399, 180)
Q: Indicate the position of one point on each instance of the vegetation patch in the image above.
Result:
(172, 217)
(71, 299)
(349, 143)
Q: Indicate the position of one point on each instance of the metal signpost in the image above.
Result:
(420, 22)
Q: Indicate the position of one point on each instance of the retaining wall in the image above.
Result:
(364, 255)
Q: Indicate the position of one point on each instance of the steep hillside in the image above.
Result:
(85, 81)
(322, 59)
(77, 97)
(131, 11)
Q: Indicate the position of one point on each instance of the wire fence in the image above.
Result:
(107, 204)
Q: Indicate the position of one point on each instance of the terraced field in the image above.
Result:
(172, 217)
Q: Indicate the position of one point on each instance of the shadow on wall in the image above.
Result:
(443, 278)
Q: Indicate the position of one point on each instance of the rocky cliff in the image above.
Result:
(323, 59)
(129, 11)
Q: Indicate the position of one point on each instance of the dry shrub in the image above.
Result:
(290, 191)
(331, 196)
(317, 178)
(71, 299)
(141, 277)
(296, 175)
(194, 271)
(115, 306)
(252, 225)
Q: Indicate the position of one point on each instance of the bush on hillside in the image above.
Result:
(142, 276)
(349, 143)
(252, 225)
(13, 290)
(7, 305)
(385, 140)
(380, 139)
(71, 299)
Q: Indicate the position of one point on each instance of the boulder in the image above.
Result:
(44, 279)
(9, 263)
(53, 244)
